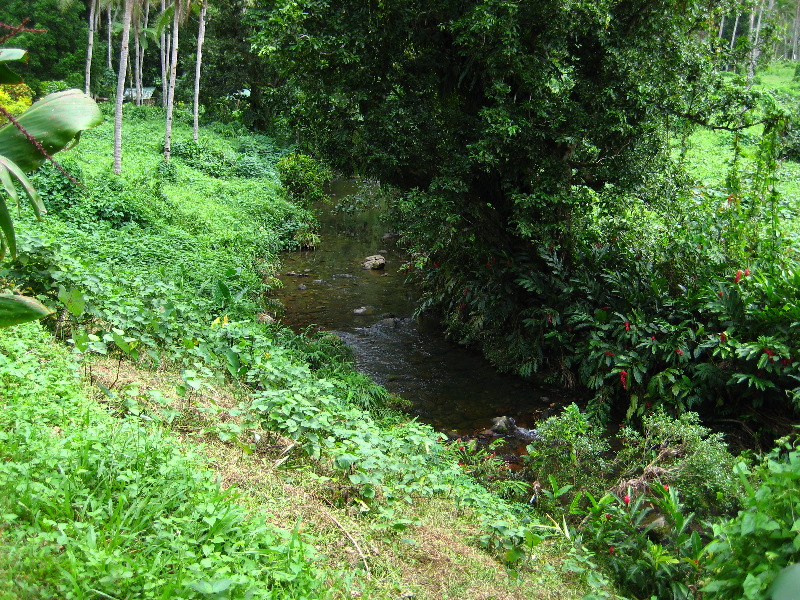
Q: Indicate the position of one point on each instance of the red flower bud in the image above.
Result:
(666, 487)
(623, 377)
(723, 338)
(747, 272)
(738, 277)
(626, 499)
(678, 351)
(627, 326)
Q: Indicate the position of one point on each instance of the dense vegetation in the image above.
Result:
(550, 213)
(600, 191)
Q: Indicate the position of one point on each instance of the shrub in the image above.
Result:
(208, 160)
(15, 99)
(570, 449)
(751, 549)
(303, 178)
(57, 191)
(50, 87)
(646, 541)
(682, 453)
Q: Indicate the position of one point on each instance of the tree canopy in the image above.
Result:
(519, 104)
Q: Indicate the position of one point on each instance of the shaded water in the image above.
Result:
(450, 387)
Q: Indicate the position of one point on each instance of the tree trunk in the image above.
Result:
(721, 26)
(757, 41)
(110, 31)
(173, 68)
(201, 34)
(123, 65)
(751, 33)
(733, 35)
(140, 66)
(137, 73)
(796, 32)
(164, 37)
(90, 47)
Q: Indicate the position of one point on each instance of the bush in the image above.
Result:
(646, 541)
(57, 191)
(570, 449)
(208, 160)
(50, 87)
(303, 178)
(682, 453)
(15, 99)
(751, 549)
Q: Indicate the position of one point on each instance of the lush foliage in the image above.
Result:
(47, 127)
(547, 212)
(15, 99)
(751, 549)
(57, 50)
(303, 178)
(93, 506)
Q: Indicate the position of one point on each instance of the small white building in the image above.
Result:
(148, 95)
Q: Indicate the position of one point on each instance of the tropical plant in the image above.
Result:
(750, 550)
(52, 124)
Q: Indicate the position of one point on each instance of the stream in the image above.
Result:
(452, 388)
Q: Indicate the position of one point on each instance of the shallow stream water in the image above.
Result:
(450, 387)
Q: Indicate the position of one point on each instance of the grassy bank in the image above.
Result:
(163, 437)
(182, 445)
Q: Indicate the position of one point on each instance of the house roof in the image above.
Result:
(147, 93)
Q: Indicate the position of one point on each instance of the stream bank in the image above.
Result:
(450, 387)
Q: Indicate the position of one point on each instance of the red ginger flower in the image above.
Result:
(623, 377)
(738, 277)
(627, 326)
(626, 499)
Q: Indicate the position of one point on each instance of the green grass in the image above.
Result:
(101, 508)
(111, 482)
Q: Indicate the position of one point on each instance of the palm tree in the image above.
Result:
(121, 74)
(94, 14)
(180, 10)
(201, 34)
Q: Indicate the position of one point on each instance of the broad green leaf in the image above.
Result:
(15, 309)
(7, 76)
(6, 229)
(752, 586)
(33, 195)
(786, 584)
(56, 121)
(73, 300)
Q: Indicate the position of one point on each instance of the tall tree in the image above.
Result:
(509, 121)
(93, 22)
(201, 35)
(179, 12)
(109, 37)
(164, 53)
(121, 75)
